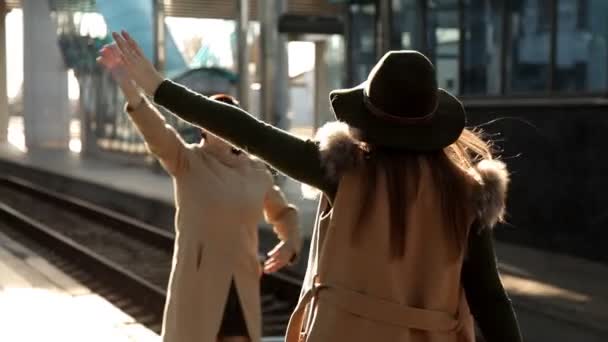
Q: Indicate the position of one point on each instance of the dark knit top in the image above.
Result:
(300, 159)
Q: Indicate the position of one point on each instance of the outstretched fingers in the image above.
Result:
(273, 264)
(136, 64)
(278, 258)
(125, 51)
(133, 44)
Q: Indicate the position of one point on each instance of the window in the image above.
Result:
(443, 42)
(335, 61)
(406, 25)
(582, 49)
(528, 65)
(492, 47)
(362, 41)
(482, 35)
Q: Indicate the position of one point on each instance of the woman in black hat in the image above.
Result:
(402, 245)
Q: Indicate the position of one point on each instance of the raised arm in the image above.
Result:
(487, 298)
(161, 139)
(297, 158)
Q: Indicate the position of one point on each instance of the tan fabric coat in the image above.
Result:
(358, 293)
(220, 201)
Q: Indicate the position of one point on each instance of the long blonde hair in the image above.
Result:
(469, 148)
(402, 171)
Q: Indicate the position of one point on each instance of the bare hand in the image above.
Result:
(279, 257)
(139, 68)
(110, 58)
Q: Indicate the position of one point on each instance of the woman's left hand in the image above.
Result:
(140, 69)
(279, 257)
(111, 60)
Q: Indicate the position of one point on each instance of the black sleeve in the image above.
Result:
(297, 158)
(489, 302)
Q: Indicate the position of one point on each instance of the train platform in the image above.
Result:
(38, 302)
(133, 179)
(568, 290)
(546, 288)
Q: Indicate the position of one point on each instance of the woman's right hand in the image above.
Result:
(110, 58)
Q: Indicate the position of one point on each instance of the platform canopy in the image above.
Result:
(220, 9)
(73, 5)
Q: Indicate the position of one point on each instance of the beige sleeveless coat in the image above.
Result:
(357, 293)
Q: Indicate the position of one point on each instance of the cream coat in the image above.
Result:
(356, 292)
(220, 200)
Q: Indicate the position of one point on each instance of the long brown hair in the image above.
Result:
(402, 170)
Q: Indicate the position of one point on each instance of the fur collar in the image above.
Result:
(341, 150)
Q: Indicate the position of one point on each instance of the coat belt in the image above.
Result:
(373, 309)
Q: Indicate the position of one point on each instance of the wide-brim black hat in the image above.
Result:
(401, 106)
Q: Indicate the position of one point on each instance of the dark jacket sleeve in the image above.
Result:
(297, 158)
(487, 298)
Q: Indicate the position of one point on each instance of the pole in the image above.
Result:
(158, 24)
(321, 91)
(273, 64)
(383, 24)
(4, 114)
(242, 25)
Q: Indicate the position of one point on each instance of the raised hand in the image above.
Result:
(110, 58)
(139, 68)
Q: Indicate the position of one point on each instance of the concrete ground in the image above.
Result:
(557, 297)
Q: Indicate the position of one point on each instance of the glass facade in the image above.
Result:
(491, 47)
(406, 25)
(582, 51)
(362, 44)
(529, 54)
(443, 40)
(482, 31)
(335, 62)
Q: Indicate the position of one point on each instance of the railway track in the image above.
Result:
(123, 259)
